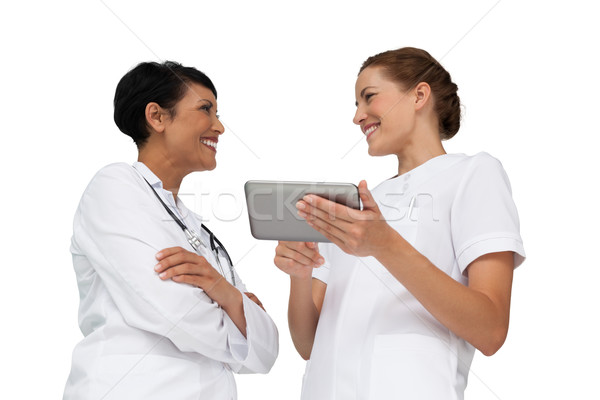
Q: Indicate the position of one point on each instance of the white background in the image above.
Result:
(528, 77)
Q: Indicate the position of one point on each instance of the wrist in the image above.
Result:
(301, 280)
(392, 246)
(214, 284)
(223, 293)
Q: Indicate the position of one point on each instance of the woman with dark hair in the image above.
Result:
(163, 312)
(419, 278)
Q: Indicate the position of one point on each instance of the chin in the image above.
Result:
(374, 152)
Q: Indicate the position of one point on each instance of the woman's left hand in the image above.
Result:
(183, 266)
(358, 232)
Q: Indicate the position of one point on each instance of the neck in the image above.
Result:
(163, 168)
(415, 154)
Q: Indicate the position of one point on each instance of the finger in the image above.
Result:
(317, 214)
(330, 236)
(301, 255)
(186, 269)
(255, 299)
(178, 258)
(288, 245)
(322, 221)
(329, 209)
(328, 229)
(287, 248)
(310, 251)
(252, 297)
(167, 252)
(366, 197)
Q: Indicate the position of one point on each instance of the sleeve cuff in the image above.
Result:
(486, 245)
(237, 342)
(321, 273)
(255, 353)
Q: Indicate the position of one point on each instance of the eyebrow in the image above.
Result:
(362, 93)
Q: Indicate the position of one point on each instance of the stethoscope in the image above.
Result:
(194, 240)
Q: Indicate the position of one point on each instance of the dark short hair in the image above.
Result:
(163, 83)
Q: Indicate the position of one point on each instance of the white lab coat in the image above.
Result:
(374, 340)
(146, 338)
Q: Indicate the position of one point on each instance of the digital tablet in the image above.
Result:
(272, 207)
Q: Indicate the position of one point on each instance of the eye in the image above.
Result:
(368, 96)
(206, 107)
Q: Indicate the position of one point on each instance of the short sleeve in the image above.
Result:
(484, 217)
(322, 273)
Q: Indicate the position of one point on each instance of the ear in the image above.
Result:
(422, 95)
(155, 117)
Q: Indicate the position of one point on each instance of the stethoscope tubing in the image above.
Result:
(195, 242)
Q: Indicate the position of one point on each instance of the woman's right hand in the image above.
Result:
(297, 259)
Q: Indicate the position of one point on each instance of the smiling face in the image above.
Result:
(192, 133)
(385, 112)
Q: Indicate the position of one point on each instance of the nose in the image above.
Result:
(218, 126)
(359, 116)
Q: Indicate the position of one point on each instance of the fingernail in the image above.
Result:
(158, 255)
(300, 205)
(162, 274)
(307, 199)
(302, 214)
(157, 267)
(321, 260)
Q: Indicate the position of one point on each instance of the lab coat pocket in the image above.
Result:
(410, 366)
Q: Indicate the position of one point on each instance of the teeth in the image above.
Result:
(371, 129)
(209, 143)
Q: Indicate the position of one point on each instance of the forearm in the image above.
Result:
(303, 315)
(468, 313)
(231, 301)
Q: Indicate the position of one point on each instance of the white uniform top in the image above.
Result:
(146, 338)
(374, 340)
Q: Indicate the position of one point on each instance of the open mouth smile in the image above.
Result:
(369, 129)
(211, 143)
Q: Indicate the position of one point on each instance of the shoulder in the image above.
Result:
(118, 171)
(484, 160)
(483, 175)
(482, 167)
(114, 181)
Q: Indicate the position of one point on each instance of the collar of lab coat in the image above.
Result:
(158, 186)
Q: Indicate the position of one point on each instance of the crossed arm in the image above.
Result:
(183, 266)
